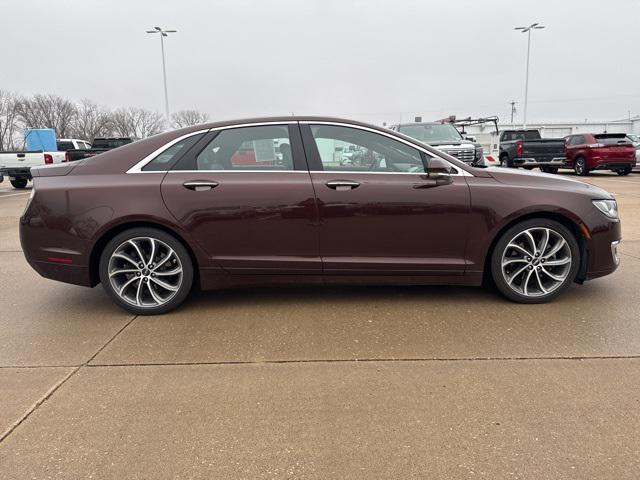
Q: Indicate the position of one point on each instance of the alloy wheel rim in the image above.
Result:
(536, 261)
(145, 272)
(580, 165)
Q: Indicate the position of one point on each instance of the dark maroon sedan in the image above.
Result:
(308, 201)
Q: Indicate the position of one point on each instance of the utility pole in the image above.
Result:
(527, 30)
(163, 33)
(513, 109)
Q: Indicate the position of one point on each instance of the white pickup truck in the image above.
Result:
(17, 165)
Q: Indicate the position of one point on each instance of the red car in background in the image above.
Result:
(600, 151)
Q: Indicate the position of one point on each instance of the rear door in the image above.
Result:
(380, 213)
(573, 144)
(245, 195)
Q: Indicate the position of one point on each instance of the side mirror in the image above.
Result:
(439, 170)
(437, 166)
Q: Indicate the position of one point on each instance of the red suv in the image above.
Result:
(600, 151)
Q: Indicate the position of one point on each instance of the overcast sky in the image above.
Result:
(371, 60)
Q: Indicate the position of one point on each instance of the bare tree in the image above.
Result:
(8, 120)
(91, 120)
(187, 118)
(137, 122)
(47, 111)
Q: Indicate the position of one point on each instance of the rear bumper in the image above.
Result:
(539, 162)
(613, 164)
(64, 265)
(74, 274)
(16, 172)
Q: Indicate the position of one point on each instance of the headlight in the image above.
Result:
(608, 207)
(479, 152)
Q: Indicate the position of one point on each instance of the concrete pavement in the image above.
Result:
(321, 383)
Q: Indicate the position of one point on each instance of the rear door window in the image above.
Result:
(265, 147)
(166, 159)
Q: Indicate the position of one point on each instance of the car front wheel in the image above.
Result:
(534, 261)
(146, 271)
(625, 171)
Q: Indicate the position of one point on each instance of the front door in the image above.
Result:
(246, 197)
(380, 213)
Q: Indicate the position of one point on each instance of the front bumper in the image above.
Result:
(602, 247)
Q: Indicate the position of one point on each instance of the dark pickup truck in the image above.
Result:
(99, 145)
(527, 148)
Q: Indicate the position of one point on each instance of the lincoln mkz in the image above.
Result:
(308, 200)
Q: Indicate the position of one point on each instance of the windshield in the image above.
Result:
(431, 133)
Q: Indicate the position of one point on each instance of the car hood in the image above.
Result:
(526, 178)
(462, 143)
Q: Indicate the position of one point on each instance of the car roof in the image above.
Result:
(290, 118)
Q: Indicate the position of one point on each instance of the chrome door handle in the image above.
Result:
(342, 184)
(200, 186)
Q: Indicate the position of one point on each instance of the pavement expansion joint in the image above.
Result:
(49, 393)
(365, 360)
(37, 404)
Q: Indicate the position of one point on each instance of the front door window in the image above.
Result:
(353, 150)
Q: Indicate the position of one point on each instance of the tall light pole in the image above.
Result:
(527, 30)
(163, 33)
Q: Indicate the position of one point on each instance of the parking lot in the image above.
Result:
(358, 382)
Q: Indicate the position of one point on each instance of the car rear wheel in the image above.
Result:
(580, 167)
(19, 183)
(146, 271)
(625, 171)
(505, 162)
(534, 261)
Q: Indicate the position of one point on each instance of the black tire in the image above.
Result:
(580, 167)
(549, 169)
(19, 183)
(499, 250)
(160, 237)
(505, 161)
(623, 172)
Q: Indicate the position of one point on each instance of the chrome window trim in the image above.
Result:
(350, 172)
(137, 168)
(306, 172)
(461, 172)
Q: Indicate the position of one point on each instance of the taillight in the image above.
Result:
(66, 157)
(48, 159)
(519, 148)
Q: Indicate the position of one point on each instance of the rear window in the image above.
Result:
(612, 139)
(521, 135)
(64, 146)
(110, 142)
